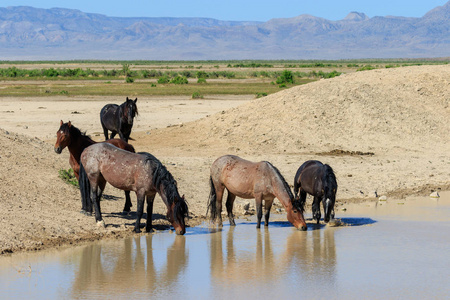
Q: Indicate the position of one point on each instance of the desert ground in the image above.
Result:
(385, 133)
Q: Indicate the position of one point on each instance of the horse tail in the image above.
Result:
(85, 190)
(212, 201)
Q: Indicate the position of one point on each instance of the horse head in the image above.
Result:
(295, 215)
(177, 213)
(328, 201)
(62, 137)
(329, 188)
(130, 110)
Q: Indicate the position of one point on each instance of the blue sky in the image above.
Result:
(239, 10)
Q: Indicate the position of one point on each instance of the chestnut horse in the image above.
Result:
(246, 179)
(139, 172)
(118, 119)
(318, 180)
(71, 137)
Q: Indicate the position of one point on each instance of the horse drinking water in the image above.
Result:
(118, 119)
(71, 137)
(247, 179)
(138, 172)
(318, 180)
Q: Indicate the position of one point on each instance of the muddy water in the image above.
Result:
(393, 249)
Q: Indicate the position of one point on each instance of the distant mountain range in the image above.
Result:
(28, 33)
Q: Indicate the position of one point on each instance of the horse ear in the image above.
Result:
(69, 123)
(127, 98)
(60, 124)
(135, 100)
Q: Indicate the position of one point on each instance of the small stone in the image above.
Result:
(382, 198)
(434, 195)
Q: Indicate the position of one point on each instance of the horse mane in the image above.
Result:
(296, 203)
(162, 177)
(329, 178)
(75, 132)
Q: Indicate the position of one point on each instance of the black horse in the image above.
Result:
(118, 119)
(318, 180)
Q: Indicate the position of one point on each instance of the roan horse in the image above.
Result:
(118, 119)
(318, 180)
(138, 172)
(247, 179)
(71, 137)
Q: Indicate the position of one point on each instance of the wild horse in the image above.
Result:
(118, 119)
(247, 179)
(318, 180)
(138, 172)
(76, 141)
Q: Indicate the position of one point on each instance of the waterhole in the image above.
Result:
(389, 249)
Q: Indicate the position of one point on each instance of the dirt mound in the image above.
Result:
(372, 111)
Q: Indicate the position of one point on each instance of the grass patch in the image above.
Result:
(68, 177)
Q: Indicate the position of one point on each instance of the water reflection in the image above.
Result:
(130, 269)
(277, 256)
(356, 261)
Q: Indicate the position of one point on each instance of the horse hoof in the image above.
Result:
(101, 223)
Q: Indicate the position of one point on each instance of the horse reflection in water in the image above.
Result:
(131, 268)
(308, 258)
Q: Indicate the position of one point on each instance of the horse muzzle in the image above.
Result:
(302, 228)
(58, 150)
(180, 231)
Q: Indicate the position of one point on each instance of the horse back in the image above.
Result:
(241, 177)
(309, 177)
(118, 167)
(121, 144)
(109, 114)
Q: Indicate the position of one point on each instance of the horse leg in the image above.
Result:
(140, 211)
(95, 195)
(316, 209)
(123, 136)
(128, 204)
(267, 207)
(258, 204)
(113, 134)
(229, 205)
(219, 196)
(148, 226)
(105, 131)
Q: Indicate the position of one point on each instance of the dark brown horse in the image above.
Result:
(118, 119)
(76, 141)
(138, 172)
(318, 180)
(248, 180)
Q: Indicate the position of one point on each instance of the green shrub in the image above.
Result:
(179, 80)
(129, 80)
(259, 95)
(201, 80)
(285, 77)
(197, 95)
(365, 68)
(68, 177)
(163, 79)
